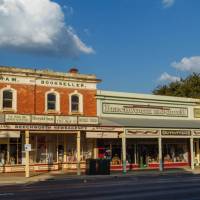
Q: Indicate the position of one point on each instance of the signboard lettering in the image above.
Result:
(175, 132)
(126, 109)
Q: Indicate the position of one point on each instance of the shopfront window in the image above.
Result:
(71, 148)
(3, 154)
(15, 151)
(175, 153)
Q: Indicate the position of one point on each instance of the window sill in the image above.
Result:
(75, 113)
(8, 110)
(52, 112)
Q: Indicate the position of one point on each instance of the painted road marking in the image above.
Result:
(6, 194)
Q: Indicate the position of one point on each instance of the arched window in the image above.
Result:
(7, 99)
(51, 101)
(74, 103)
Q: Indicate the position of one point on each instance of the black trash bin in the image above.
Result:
(97, 167)
(104, 167)
(91, 167)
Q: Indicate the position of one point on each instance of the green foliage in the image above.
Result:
(188, 87)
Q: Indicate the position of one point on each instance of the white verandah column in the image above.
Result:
(78, 147)
(124, 151)
(27, 167)
(192, 152)
(160, 154)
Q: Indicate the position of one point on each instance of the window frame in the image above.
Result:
(13, 108)
(80, 103)
(57, 102)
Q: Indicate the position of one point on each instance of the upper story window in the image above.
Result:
(8, 99)
(52, 102)
(76, 103)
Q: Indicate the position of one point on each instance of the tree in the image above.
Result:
(188, 87)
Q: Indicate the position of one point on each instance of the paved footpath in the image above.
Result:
(19, 178)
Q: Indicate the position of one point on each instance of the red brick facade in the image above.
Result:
(31, 99)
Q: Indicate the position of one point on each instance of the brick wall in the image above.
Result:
(31, 99)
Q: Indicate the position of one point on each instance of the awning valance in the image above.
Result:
(149, 123)
(9, 134)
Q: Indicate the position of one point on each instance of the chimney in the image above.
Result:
(73, 71)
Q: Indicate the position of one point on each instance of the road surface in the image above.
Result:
(151, 187)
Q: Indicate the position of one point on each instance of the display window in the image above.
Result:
(15, 146)
(3, 154)
(175, 153)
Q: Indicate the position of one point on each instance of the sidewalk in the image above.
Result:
(19, 178)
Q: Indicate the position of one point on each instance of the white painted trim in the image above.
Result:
(57, 101)
(80, 96)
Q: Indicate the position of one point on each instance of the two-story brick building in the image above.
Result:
(44, 116)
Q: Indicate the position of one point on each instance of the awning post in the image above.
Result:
(27, 167)
(78, 146)
(192, 153)
(160, 154)
(124, 152)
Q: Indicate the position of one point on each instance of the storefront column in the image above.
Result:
(27, 167)
(8, 151)
(124, 152)
(78, 146)
(192, 153)
(160, 154)
(197, 150)
(95, 150)
(65, 149)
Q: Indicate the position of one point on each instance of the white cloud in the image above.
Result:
(191, 64)
(38, 26)
(167, 3)
(165, 77)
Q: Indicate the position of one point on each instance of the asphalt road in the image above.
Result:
(154, 187)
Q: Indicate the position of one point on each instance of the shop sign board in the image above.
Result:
(101, 135)
(42, 119)
(88, 120)
(27, 147)
(132, 133)
(59, 128)
(47, 82)
(66, 120)
(48, 119)
(196, 132)
(147, 110)
(175, 132)
(17, 118)
(196, 112)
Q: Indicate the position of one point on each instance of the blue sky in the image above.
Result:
(132, 45)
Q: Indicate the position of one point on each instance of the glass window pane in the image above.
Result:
(75, 103)
(51, 97)
(51, 101)
(51, 106)
(7, 94)
(7, 99)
